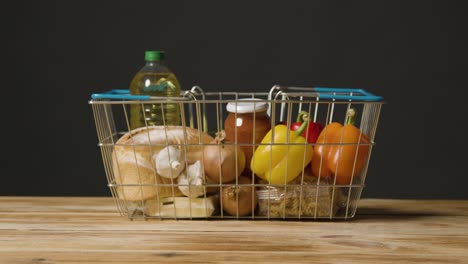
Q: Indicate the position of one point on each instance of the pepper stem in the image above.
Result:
(350, 116)
(304, 118)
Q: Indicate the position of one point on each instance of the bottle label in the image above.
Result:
(159, 87)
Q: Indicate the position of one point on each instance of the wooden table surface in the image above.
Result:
(45, 230)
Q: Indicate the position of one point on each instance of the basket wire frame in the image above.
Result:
(205, 111)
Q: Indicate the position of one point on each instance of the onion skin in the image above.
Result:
(219, 161)
(239, 200)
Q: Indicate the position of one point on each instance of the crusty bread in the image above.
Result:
(133, 168)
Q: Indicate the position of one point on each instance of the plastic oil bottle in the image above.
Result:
(155, 79)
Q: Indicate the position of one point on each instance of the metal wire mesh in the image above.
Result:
(140, 192)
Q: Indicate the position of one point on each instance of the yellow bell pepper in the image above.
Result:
(281, 158)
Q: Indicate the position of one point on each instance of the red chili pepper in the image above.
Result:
(313, 129)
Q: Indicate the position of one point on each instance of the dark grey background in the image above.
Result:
(414, 53)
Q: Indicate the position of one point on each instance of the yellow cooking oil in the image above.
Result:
(155, 79)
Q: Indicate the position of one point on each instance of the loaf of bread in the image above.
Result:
(134, 171)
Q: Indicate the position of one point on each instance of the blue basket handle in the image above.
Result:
(323, 93)
(119, 94)
(358, 94)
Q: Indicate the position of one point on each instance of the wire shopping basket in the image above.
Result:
(290, 153)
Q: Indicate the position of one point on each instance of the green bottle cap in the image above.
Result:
(154, 55)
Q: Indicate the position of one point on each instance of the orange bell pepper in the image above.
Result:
(338, 152)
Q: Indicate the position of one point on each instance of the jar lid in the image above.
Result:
(247, 107)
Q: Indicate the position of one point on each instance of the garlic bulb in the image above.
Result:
(191, 182)
(169, 162)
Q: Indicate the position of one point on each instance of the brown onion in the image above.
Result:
(223, 161)
(240, 199)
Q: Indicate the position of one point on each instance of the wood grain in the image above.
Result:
(89, 230)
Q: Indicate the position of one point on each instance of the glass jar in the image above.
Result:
(247, 123)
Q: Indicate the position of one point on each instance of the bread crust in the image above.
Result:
(134, 171)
